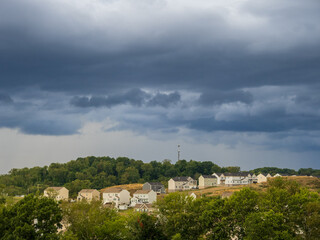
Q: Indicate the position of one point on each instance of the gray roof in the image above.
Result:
(241, 174)
(180, 179)
(155, 183)
(219, 174)
(112, 190)
(208, 176)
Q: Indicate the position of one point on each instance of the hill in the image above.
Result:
(102, 172)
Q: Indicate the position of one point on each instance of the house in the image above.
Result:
(88, 194)
(181, 184)
(143, 196)
(144, 207)
(117, 196)
(254, 178)
(58, 193)
(220, 178)
(281, 175)
(207, 181)
(262, 177)
(240, 178)
(155, 186)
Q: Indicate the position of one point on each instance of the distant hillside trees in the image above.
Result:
(101, 172)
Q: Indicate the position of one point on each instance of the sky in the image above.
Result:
(236, 82)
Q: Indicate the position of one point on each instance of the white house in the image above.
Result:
(281, 175)
(240, 178)
(220, 178)
(144, 207)
(143, 196)
(181, 184)
(118, 196)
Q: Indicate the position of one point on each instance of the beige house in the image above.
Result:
(181, 184)
(118, 196)
(88, 195)
(143, 196)
(58, 193)
(262, 178)
(144, 207)
(207, 181)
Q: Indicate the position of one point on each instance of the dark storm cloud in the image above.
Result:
(4, 98)
(164, 100)
(94, 52)
(39, 122)
(134, 97)
(219, 97)
(264, 123)
(37, 49)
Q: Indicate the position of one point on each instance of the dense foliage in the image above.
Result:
(283, 210)
(101, 172)
(274, 170)
(33, 217)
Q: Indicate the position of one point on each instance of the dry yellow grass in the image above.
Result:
(130, 187)
(311, 183)
(218, 191)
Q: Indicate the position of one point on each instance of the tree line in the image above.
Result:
(283, 210)
(101, 172)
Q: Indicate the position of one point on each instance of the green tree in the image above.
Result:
(130, 175)
(237, 208)
(267, 225)
(144, 226)
(76, 186)
(92, 221)
(213, 218)
(33, 217)
(180, 213)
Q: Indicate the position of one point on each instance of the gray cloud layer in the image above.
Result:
(244, 66)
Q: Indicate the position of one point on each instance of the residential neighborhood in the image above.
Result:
(141, 200)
